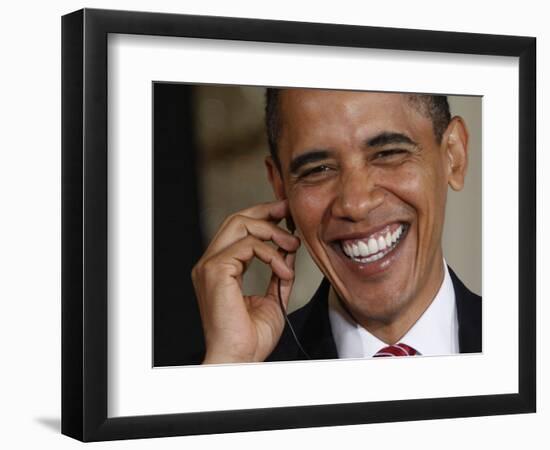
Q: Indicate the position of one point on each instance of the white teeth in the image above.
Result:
(381, 243)
(376, 248)
(363, 248)
(373, 246)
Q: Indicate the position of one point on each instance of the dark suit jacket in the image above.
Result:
(312, 326)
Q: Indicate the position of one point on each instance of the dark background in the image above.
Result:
(177, 234)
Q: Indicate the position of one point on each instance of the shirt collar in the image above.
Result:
(434, 333)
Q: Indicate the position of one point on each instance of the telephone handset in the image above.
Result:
(292, 228)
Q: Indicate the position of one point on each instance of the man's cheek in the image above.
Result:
(309, 207)
(409, 187)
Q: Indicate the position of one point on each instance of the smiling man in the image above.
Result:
(364, 178)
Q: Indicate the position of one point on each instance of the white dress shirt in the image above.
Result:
(435, 333)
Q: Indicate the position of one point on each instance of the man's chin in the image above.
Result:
(378, 295)
(382, 307)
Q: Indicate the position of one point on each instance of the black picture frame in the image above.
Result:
(84, 224)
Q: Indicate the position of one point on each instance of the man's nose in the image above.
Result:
(357, 195)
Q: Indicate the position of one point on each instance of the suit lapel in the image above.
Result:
(318, 341)
(468, 307)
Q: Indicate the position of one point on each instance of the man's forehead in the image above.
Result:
(334, 108)
(305, 96)
(317, 102)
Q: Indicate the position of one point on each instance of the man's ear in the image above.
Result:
(455, 143)
(275, 178)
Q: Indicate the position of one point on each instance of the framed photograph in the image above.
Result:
(179, 130)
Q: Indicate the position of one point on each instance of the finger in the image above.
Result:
(241, 226)
(286, 284)
(271, 211)
(234, 259)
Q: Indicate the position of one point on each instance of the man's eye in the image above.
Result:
(313, 171)
(390, 154)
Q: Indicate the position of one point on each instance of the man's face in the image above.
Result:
(366, 182)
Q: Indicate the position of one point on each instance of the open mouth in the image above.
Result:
(375, 246)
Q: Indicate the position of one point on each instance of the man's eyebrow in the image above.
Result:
(387, 138)
(306, 158)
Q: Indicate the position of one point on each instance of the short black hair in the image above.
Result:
(435, 107)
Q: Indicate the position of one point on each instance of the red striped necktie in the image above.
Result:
(396, 350)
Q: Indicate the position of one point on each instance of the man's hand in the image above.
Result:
(241, 328)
